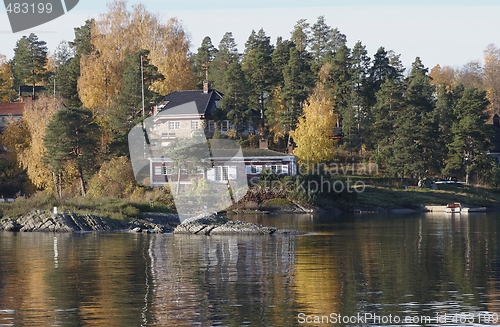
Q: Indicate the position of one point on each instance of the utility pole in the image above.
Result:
(142, 87)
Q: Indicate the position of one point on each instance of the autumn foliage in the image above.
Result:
(120, 31)
(314, 133)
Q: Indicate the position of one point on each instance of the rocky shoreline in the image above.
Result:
(214, 224)
(68, 222)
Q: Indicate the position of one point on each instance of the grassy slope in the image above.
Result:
(120, 209)
(391, 197)
(378, 193)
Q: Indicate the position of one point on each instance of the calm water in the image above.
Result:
(388, 268)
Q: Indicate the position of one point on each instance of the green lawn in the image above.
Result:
(392, 197)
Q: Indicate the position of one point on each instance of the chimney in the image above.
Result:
(263, 144)
(206, 86)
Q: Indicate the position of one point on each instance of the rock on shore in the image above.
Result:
(206, 224)
(214, 224)
(45, 221)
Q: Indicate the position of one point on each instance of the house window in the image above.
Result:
(221, 173)
(217, 104)
(163, 170)
(174, 125)
(279, 169)
(195, 124)
(224, 126)
(211, 126)
(276, 169)
(253, 169)
(168, 135)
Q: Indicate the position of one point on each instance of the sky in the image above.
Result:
(445, 32)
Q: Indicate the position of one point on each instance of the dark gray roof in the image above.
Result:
(191, 101)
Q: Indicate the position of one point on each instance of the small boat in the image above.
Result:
(453, 207)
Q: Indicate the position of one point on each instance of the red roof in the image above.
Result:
(11, 108)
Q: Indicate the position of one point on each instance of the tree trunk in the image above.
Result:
(56, 189)
(178, 181)
(82, 181)
(59, 183)
(262, 117)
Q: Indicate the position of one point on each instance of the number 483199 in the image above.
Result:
(29, 8)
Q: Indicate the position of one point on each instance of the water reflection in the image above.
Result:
(406, 266)
(228, 280)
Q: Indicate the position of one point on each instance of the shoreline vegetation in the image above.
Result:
(158, 215)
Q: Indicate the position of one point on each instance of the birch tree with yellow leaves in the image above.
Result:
(25, 139)
(120, 31)
(314, 133)
(7, 92)
(491, 77)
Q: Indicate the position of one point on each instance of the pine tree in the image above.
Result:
(280, 57)
(301, 35)
(341, 89)
(405, 155)
(298, 83)
(29, 62)
(382, 69)
(390, 103)
(324, 42)
(205, 55)
(419, 97)
(468, 150)
(415, 149)
(235, 100)
(445, 116)
(226, 55)
(259, 70)
(68, 72)
(71, 136)
(360, 64)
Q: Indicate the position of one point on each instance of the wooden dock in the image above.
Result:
(443, 209)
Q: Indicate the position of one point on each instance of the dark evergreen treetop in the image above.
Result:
(235, 100)
(298, 83)
(227, 54)
(301, 35)
(259, 69)
(30, 61)
(280, 58)
(205, 55)
(67, 74)
(325, 41)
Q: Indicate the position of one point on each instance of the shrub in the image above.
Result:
(114, 179)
